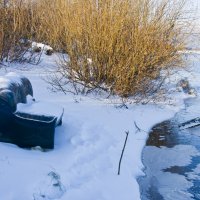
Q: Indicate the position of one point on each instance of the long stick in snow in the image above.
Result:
(190, 124)
(127, 133)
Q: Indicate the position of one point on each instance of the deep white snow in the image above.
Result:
(84, 163)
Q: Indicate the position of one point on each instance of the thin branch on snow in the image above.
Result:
(127, 133)
(136, 126)
(138, 129)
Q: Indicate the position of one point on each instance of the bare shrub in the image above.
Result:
(118, 46)
(14, 29)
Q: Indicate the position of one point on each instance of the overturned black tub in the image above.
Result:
(34, 130)
(6, 122)
(26, 124)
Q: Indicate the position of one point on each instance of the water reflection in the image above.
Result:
(172, 159)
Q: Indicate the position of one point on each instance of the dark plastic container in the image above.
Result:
(34, 130)
(6, 122)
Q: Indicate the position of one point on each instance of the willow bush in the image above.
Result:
(15, 26)
(120, 46)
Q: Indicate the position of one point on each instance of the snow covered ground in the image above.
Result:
(84, 163)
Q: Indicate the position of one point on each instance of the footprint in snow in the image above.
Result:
(51, 188)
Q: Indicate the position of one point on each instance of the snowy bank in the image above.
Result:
(84, 163)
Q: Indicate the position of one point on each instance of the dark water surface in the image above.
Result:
(172, 159)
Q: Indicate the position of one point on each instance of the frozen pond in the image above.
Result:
(172, 159)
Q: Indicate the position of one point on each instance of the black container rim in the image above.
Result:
(52, 118)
